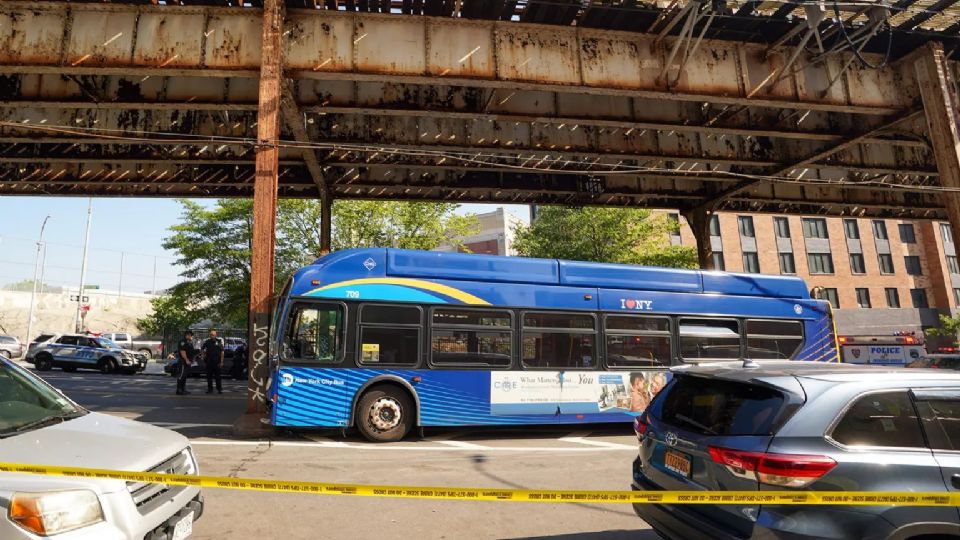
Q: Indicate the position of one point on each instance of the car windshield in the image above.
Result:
(27, 403)
(106, 343)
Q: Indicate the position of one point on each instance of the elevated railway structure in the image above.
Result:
(837, 108)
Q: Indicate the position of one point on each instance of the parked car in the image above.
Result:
(77, 351)
(10, 347)
(234, 364)
(39, 425)
(801, 426)
(150, 349)
(37, 341)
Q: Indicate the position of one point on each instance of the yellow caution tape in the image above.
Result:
(852, 498)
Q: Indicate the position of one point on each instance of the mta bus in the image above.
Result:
(388, 340)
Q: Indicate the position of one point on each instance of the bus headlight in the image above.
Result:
(46, 514)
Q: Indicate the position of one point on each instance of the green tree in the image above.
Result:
(617, 235)
(172, 311)
(213, 245)
(949, 327)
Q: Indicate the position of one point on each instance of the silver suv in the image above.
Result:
(39, 425)
(803, 426)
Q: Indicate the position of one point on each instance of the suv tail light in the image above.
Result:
(785, 470)
(640, 427)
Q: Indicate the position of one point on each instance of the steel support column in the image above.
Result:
(265, 205)
(942, 109)
(326, 222)
(699, 220)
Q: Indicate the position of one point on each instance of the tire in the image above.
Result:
(69, 369)
(147, 353)
(385, 414)
(107, 365)
(43, 362)
(7, 354)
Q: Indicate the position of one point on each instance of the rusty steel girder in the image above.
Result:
(86, 39)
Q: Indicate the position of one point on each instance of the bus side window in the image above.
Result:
(389, 334)
(773, 339)
(559, 341)
(471, 337)
(315, 333)
(709, 339)
(635, 341)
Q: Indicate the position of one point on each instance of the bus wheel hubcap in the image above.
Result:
(385, 414)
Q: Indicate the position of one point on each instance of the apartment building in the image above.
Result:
(494, 236)
(882, 276)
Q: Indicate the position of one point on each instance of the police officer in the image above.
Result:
(185, 354)
(213, 358)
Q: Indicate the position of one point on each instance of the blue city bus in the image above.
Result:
(387, 339)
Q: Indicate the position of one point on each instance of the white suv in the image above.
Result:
(41, 426)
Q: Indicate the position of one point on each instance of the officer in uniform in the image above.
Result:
(185, 354)
(213, 359)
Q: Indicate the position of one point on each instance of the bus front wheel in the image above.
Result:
(385, 414)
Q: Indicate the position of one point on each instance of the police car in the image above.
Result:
(77, 351)
(899, 349)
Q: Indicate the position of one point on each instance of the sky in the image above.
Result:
(126, 237)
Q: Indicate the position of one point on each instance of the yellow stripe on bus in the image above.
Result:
(445, 290)
(843, 498)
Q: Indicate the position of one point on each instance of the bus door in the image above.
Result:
(311, 391)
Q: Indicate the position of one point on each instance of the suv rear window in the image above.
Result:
(718, 407)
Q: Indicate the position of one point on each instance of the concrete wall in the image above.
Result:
(55, 312)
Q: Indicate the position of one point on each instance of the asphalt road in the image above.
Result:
(591, 457)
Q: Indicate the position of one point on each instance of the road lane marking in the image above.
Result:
(599, 444)
(335, 445)
(463, 444)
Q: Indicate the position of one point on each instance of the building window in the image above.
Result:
(787, 264)
(674, 224)
(782, 226)
(815, 228)
(746, 226)
(946, 233)
(907, 234)
(956, 296)
(893, 297)
(851, 229)
(714, 225)
(559, 340)
(863, 298)
(886, 263)
(856, 263)
(919, 297)
(879, 229)
(830, 295)
(717, 258)
(751, 263)
(952, 264)
(820, 263)
(912, 263)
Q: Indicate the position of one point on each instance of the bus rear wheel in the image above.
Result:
(385, 414)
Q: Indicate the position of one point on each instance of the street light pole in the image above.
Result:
(36, 272)
(83, 267)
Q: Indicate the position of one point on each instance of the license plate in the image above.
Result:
(183, 528)
(677, 462)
